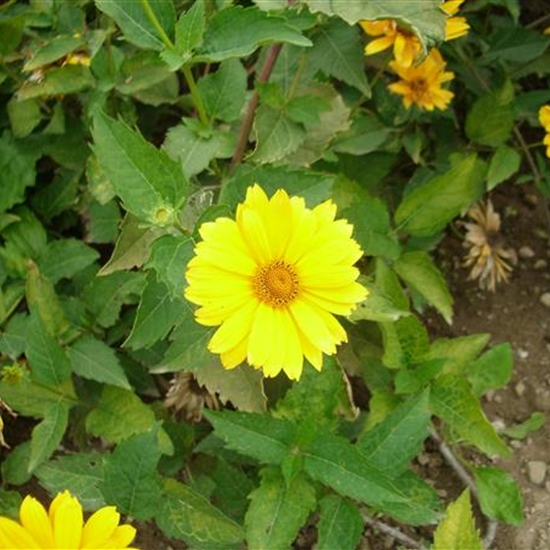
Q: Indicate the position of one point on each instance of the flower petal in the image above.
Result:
(35, 520)
(14, 537)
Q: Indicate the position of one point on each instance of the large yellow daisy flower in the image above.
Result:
(406, 45)
(544, 118)
(272, 279)
(62, 527)
(455, 27)
(421, 85)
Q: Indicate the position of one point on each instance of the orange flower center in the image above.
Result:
(276, 284)
(419, 87)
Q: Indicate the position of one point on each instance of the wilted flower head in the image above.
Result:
(421, 85)
(490, 261)
(544, 119)
(406, 45)
(455, 27)
(272, 281)
(62, 527)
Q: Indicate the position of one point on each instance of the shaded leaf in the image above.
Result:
(340, 524)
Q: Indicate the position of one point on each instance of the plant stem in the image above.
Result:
(393, 532)
(246, 126)
(196, 96)
(156, 23)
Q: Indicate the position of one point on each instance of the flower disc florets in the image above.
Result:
(272, 281)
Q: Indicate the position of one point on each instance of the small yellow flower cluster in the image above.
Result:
(420, 83)
(544, 118)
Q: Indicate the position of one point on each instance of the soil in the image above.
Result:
(514, 314)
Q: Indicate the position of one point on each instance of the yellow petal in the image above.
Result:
(310, 322)
(35, 520)
(67, 520)
(100, 527)
(379, 45)
(235, 356)
(121, 537)
(260, 343)
(14, 537)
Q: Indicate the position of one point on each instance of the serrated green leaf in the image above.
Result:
(259, 436)
(337, 51)
(150, 184)
(186, 515)
(46, 436)
(95, 360)
(157, 313)
(499, 495)
(47, 359)
(190, 29)
(64, 258)
(504, 164)
(224, 92)
(130, 16)
(17, 172)
(457, 530)
(377, 307)
(418, 270)
(131, 482)
(118, 415)
(81, 474)
(492, 370)
(276, 135)
(277, 510)
(425, 17)
(457, 353)
(340, 524)
(453, 401)
(405, 342)
(394, 442)
(431, 206)
(238, 32)
(133, 246)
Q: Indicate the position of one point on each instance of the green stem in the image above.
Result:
(191, 84)
(156, 23)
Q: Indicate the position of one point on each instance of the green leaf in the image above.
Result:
(425, 17)
(15, 467)
(132, 247)
(492, 370)
(131, 481)
(367, 134)
(103, 222)
(130, 16)
(276, 135)
(118, 415)
(532, 424)
(418, 270)
(238, 32)
(150, 184)
(95, 360)
(499, 495)
(457, 530)
(24, 116)
(337, 51)
(224, 92)
(64, 258)
(277, 510)
(186, 515)
(189, 33)
(428, 208)
(53, 50)
(58, 196)
(157, 313)
(46, 436)
(491, 119)
(457, 353)
(394, 442)
(17, 172)
(10, 501)
(515, 44)
(340, 524)
(81, 474)
(47, 359)
(452, 400)
(377, 307)
(104, 296)
(504, 164)
(405, 342)
(259, 436)
(58, 81)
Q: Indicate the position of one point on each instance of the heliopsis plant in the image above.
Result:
(455, 27)
(489, 259)
(273, 279)
(544, 119)
(62, 526)
(422, 85)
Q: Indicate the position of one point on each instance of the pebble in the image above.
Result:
(516, 444)
(545, 299)
(522, 353)
(536, 471)
(520, 388)
(541, 264)
(526, 252)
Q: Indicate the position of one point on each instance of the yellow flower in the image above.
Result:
(62, 527)
(544, 118)
(455, 27)
(272, 280)
(406, 45)
(421, 85)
